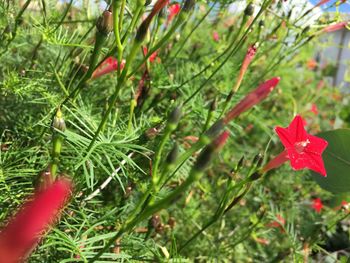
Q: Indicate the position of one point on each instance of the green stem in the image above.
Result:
(114, 98)
(170, 127)
(100, 39)
(234, 50)
(132, 25)
(160, 43)
(194, 175)
(203, 141)
(116, 28)
(220, 211)
(194, 29)
(205, 227)
(64, 15)
(133, 104)
(71, 52)
(209, 65)
(17, 21)
(121, 15)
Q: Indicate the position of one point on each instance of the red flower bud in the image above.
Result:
(335, 27)
(252, 99)
(107, 66)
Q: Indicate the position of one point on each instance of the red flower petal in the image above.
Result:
(296, 128)
(316, 146)
(317, 205)
(284, 135)
(303, 150)
(107, 66)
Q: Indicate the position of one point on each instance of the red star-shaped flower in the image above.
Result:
(303, 150)
(317, 205)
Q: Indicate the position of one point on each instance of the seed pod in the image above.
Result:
(309, 38)
(249, 10)
(160, 228)
(210, 116)
(230, 95)
(105, 22)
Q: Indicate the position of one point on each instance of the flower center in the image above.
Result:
(300, 146)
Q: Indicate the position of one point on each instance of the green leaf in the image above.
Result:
(336, 158)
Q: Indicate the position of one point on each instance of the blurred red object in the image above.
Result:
(24, 231)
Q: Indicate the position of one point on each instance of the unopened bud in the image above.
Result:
(240, 163)
(58, 121)
(142, 31)
(161, 15)
(204, 159)
(172, 156)
(188, 5)
(206, 154)
(255, 176)
(258, 159)
(215, 129)
(213, 105)
(174, 117)
(305, 30)
(249, 10)
(105, 23)
(261, 23)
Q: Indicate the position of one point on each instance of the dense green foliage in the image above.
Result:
(44, 52)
